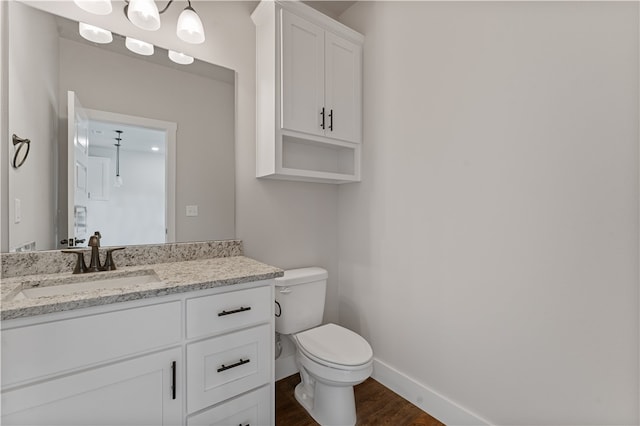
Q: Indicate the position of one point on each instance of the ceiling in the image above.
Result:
(333, 8)
(133, 138)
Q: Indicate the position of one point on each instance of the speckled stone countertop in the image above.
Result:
(155, 280)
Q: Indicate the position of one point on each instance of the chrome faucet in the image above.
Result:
(94, 264)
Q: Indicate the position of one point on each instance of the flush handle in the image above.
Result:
(235, 311)
(285, 290)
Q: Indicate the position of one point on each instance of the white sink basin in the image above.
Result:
(98, 283)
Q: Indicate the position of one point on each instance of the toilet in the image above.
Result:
(331, 359)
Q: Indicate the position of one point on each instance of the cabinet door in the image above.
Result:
(302, 79)
(134, 392)
(343, 88)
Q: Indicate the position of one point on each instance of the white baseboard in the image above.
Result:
(286, 366)
(438, 406)
(443, 409)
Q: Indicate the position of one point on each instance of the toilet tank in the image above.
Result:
(300, 294)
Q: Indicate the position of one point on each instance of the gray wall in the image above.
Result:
(32, 114)
(491, 251)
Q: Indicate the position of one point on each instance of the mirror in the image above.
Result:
(44, 65)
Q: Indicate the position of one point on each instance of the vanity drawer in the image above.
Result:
(252, 408)
(41, 350)
(228, 365)
(228, 311)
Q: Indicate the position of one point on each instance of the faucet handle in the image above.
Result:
(94, 240)
(109, 264)
(80, 267)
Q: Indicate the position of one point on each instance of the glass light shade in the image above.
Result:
(144, 14)
(98, 7)
(118, 183)
(138, 46)
(95, 34)
(180, 58)
(190, 27)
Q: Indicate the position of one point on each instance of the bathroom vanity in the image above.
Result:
(180, 342)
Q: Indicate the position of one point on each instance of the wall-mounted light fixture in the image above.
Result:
(98, 7)
(144, 14)
(95, 34)
(180, 58)
(138, 46)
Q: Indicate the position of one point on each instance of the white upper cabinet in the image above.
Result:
(343, 88)
(309, 95)
(321, 81)
(302, 75)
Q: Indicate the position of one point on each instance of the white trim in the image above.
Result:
(170, 128)
(428, 400)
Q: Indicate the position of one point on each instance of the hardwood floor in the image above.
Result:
(375, 405)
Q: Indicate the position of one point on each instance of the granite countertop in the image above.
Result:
(166, 278)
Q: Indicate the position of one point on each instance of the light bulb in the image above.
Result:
(95, 34)
(190, 27)
(138, 46)
(144, 14)
(98, 7)
(180, 58)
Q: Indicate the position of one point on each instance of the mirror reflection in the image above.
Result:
(171, 178)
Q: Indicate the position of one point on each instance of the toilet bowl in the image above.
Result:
(331, 359)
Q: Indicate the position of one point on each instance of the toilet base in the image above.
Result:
(328, 405)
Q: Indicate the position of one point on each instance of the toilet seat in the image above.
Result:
(334, 346)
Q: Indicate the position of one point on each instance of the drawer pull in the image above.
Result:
(235, 311)
(173, 380)
(237, 364)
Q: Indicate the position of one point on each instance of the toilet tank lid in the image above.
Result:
(301, 276)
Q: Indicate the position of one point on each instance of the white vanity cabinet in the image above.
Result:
(232, 353)
(309, 95)
(203, 357)
(138, 391)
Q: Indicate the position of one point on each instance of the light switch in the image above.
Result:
(17, 211)
(192, 210)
